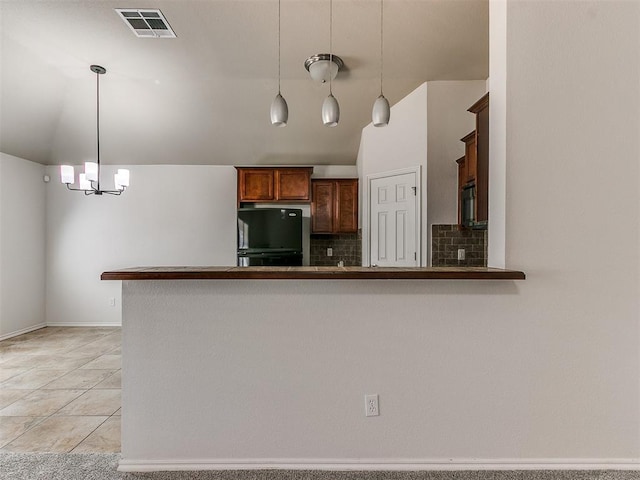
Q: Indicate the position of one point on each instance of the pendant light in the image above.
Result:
(279, 108)
(89, 181)
(330, 107)
(381, 111)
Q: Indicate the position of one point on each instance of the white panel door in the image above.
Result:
(393, 205)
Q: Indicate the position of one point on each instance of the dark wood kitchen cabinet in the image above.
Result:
(334, 205)
(274, 185)
(481, 110)
(470, 157)
(473, 170)
(293, 184)
(462, 181)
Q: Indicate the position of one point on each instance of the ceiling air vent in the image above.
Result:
(146, 23)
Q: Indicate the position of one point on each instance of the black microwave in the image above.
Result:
(468, 210)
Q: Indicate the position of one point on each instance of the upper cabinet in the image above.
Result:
(269, 184)
(470, 157)
(334, 208)
(473, 170)
(293, 184)
(481, 110)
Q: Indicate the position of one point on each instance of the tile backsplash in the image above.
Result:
(346, 247)
(447, 239)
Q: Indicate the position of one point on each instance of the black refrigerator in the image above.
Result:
(269, 237)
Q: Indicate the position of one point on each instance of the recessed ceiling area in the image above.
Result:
(204, 97)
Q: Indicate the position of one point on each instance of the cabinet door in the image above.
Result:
(293, 184)
(481, 110)
(482, 172)
(346, 206)
(471, 158)
(462, 180)
(322, 206)
(256, 185)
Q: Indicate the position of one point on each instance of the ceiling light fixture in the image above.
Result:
(89, 181)
(330, 107)
(323, 66)
(279, 108)
(381, 112)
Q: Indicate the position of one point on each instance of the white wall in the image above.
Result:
(498, 127)
(22, 246)
(171, 215)
(449, 121)
(401, 144)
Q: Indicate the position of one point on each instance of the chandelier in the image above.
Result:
(89, 181)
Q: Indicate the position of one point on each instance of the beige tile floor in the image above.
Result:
(60, 391)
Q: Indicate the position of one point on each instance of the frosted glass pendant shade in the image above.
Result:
(85, 184)
(381, 112)
(279, 111)
(323, 67)
(67, 175)
(330, 111)
(91, 171)
(323, 70)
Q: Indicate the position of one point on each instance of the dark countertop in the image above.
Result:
(312, 273)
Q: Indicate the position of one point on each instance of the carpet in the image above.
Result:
(100, 466)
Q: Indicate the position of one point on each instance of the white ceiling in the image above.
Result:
(204, 97)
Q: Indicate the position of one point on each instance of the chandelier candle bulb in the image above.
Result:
(91, 171)
(67, 174)
(84, 183)
(123, 175)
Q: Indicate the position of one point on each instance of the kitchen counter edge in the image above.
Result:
(312, 273)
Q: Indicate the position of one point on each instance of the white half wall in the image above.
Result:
(171, 215)
(22, 246)
(542, 372)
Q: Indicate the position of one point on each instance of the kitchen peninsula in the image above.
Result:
(217, 358)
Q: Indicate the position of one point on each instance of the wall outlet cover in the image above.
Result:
(371, 407)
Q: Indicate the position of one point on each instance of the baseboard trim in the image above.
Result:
(126, 465)
(83, 324)
(22, 331)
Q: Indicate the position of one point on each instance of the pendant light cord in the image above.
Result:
(279, 46)
(330, 46)
(381, 42)
(98, 122)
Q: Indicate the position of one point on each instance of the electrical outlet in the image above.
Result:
(461, 254)
(329, 252)
(371, 405)
(112, 301)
